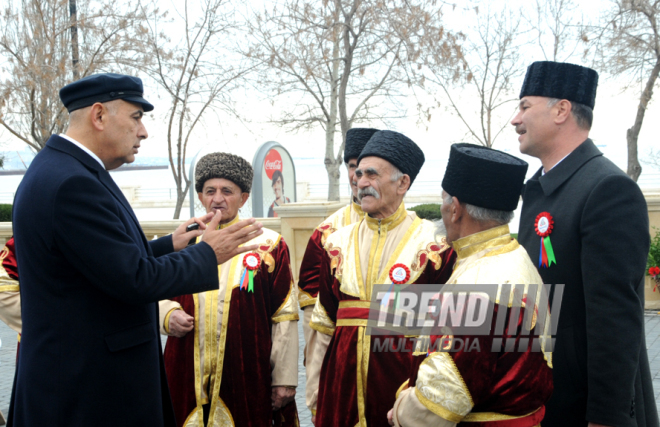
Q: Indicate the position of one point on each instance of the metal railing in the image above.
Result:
(7, 198)
(155, 193)
(419, 188)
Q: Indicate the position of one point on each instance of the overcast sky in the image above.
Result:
(613, 114)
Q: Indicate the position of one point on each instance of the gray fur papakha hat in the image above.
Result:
(356, 139)
(561, 80)
(224, 165)
(484, 177)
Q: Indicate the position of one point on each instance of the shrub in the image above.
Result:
(653, 259)
(430, 211)
(5, 213)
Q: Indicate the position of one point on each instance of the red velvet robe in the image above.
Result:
(338, 389)
(308, 279)
(246, 375)
(9, 259)
(508, 383)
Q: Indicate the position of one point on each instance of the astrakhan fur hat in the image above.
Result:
(224, 165)
(561, 80)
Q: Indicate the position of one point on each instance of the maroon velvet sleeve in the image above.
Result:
(433, 276)
(521, 381)
(9, 261)
(308, 279)
(511, 383)
(280, 279)
(180, 366)
(328, 289)
(448, 258)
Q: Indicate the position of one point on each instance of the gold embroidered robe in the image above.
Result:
(348, 384)
(308, 279)
(481, 387)
(243, 343)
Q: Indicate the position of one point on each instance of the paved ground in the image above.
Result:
(8, 359)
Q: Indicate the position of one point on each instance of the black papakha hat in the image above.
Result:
(561, 80)
(356, 139)
(397, 149)
(484, 177)
(103, 88)
(224, 165)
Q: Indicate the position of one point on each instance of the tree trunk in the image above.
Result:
(75, 55)
(331, 163)
(181, 195)
(180, 198)
(333, 181)
(634, 168)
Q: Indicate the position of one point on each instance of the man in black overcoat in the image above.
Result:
(585, 224)
(90, 281)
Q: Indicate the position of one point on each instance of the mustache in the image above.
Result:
(368, 191)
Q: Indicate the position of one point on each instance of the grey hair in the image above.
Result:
(584, 116)
(480, 214)
(396, 174)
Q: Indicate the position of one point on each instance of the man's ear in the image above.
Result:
(199, 196)
(562, 111)
(404, 184)
(98, 116)
(244, 197)
(457, 210)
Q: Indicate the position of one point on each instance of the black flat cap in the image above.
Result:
(103, 88)
(561, 80)
(356, 139)
(484, 177)
(397, 149)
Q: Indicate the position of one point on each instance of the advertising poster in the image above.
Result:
(274, 180)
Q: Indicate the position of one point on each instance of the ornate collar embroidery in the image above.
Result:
(390, 222)
(470, 245)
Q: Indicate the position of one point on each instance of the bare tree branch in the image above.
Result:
(195, 74)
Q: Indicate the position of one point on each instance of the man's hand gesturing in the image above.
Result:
(226, 242)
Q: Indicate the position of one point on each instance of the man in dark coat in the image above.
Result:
(90, 351)
(585, 224)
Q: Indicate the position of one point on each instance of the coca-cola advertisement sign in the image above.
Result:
(272, 163)
(274, 180)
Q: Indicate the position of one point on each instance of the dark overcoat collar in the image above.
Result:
(567, 167)
(60, 144)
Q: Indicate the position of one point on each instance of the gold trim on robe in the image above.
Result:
(209, 376)
(321, 321)
(441, 388)
(476, 263)
(418, 237)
